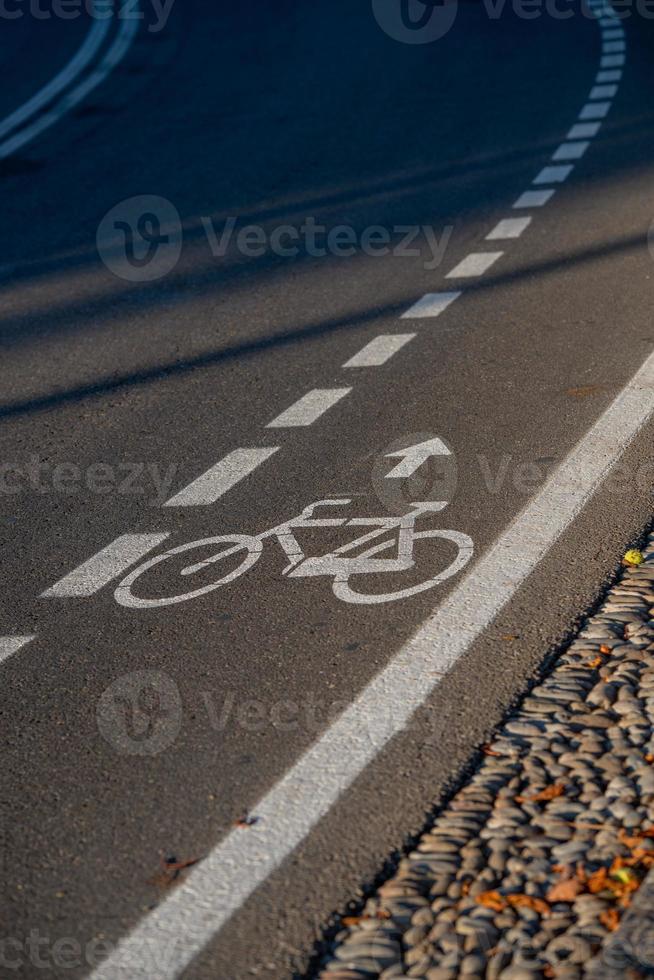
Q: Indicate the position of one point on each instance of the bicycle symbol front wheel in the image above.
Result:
(344, 592)
(246, 543)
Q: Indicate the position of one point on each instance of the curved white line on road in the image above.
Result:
(115, 54)
(74, 68)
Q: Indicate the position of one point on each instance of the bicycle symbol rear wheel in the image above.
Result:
(344, 592)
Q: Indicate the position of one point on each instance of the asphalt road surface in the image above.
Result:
(289, 730)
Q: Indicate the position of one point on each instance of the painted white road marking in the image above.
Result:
(595, 110)
(310, 407)
(83, 57)
(603, 92)
(609, 22)
(475, 264)
(508, 228)
(209, 487)
(572, 150)
(613, 75)
(184, 922)
(613, 47)
(10, 644)
(98, 571)
(128, 29)
(534, 199)
(612, 61)
(430, 305)
(379, 350)
(613, 34)
(413, 457)
(584, 130)
(553, 175)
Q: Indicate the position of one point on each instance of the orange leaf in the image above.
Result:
(610, 919)
(549, 793)
(492, 900)
(605, 649)
(597, 881)
(592, 664)
(565, 891)
(649, 758)
(487, 750)
(528, 902)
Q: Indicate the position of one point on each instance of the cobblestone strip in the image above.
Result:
(529, 869)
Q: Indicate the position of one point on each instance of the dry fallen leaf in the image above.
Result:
(592, 664)
(583, 391)
(605, 649)
(610, 919)
(565, 891)
(549, 793)
(492, 900)
(509, 637)
(528, 902)
(487, 750)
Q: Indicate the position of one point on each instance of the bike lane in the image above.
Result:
(234, 643)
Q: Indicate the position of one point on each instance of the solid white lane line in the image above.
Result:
(553, 175)
(115, 54)
(475, 264)
(533, 199)
(96, 35)
(209, 487)
(613, 75)
(612, 61)
(185, 921)
(584, 130)
(508, 228)
(98, 571)
(573, 150)
(430, 305)
(10, 644)
(603, 92)
(614, 47)
(309, 408)
(595, 110)
(379, 350)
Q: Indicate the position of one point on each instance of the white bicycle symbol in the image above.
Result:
(336, 564)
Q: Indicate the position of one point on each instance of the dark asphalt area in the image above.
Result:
(274, 116)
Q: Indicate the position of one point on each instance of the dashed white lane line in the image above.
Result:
(608, 22)
(183, 923)
(10, 644)
(613, 35)
(226, 473)
(614, 47)
(612, 75)
(612, 61)
(475, 264)
(553, 175)
(508, 228)
(430, 305)
(379, 350)
(595, 110)
(572, 150)
(310, 407)
(582, 131)
(603, 92)
(534, 199)
(98, 571)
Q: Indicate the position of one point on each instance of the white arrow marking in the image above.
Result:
(414, 456)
